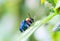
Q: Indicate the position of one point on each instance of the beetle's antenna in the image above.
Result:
(29, 15)
(34, 17)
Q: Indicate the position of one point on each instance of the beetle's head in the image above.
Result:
(30, 20)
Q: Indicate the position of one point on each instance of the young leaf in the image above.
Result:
(53, 2)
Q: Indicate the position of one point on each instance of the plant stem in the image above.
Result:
(48, 18)
(33, 28)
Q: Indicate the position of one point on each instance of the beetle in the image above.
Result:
(25, 24)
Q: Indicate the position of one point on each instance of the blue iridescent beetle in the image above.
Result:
(26, 23)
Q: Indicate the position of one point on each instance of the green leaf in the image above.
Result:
(53, 2)
(43, 1)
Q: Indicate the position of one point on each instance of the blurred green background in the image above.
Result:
(12, 12)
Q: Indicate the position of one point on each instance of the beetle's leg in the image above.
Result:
(21, 30)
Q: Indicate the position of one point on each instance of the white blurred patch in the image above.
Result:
(58, 4)
(42, 35)
(2, 1)
(32, 4)
(7, 24)
(16, 36)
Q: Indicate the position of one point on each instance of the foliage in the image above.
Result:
(12, 12)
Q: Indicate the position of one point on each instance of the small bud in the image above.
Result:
(57, 10)
(57, 27)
